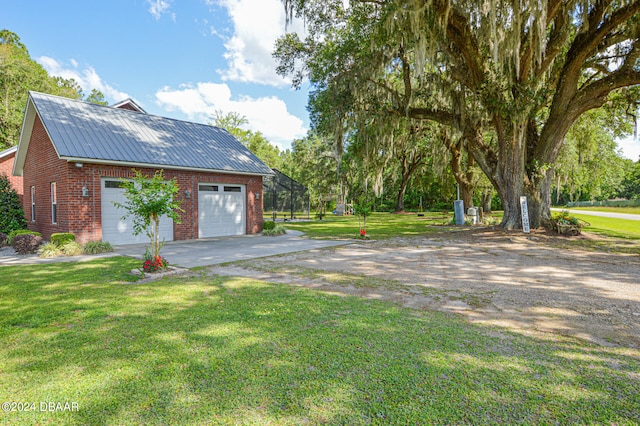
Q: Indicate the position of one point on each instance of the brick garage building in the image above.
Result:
(72, 156)
(7, 159)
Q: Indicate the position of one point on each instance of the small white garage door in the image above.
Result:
(221, 210)
(120, 231)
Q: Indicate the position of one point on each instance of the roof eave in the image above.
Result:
(30, 113)
(25, 137)
(161, 166)
(8, 151)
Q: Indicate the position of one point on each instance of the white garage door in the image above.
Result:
(120, 231)
(221, 210)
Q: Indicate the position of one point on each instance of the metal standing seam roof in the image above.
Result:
(81, 130)
(8, 151)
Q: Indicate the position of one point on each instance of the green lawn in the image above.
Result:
(212, 350)
(379, 225)
(618, 228)
(387, 225)
(626, 210)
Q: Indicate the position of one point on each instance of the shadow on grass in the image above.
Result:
(212, 350)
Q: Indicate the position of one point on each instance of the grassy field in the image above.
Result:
(627, 210)
(212, 350)
(387, 225)
(617, 228)
(379, 225)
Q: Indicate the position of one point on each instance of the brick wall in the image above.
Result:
(42, 167)
(83, 215)
(6, 168)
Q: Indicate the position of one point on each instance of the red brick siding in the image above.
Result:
(42, 166)
(6, 168)
(83, 215)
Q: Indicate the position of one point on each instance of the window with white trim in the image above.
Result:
(54, 204)
(33, 204)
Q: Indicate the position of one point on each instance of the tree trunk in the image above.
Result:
(487, 198)
(511, 175)
(155, 239)
(408, 167)
(401, 193)
(539, 201)
(464, 178)
(466, 194)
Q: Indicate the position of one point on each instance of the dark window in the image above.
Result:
(33, 204)
(210, 188)
(113, 184)
(232, 189)
(54, 203)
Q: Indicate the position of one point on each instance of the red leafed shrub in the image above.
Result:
(26, 243)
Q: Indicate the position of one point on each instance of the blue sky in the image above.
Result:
(180, 59)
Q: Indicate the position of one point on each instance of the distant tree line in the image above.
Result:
(18, 75)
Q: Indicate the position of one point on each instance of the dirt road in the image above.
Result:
(490, 277)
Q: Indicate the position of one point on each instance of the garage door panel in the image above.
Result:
(221, 210)
(117, 230)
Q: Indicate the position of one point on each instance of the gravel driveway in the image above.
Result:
(490, 277)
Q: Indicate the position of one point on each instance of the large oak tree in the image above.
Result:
(510, 76)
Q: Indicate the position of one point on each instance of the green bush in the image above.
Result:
(95, 247)
(268, 225)
(62, 238)
(11, 213)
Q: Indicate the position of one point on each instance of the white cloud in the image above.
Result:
(159, 7)
(87, 78)
(267, 115)
(257, 24)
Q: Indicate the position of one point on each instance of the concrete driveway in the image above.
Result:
(191, 253)
(213, 251)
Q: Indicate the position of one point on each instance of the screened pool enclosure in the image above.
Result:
(284, 198)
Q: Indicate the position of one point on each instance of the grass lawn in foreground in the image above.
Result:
(211, 350)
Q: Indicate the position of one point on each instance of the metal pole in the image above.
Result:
(291, 195)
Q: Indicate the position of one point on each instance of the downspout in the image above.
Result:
(93, 201)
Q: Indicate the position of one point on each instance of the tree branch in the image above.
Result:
(461, 36)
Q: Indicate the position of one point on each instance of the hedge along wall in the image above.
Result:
(606, 203)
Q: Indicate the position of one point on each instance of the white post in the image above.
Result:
(524, 212)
